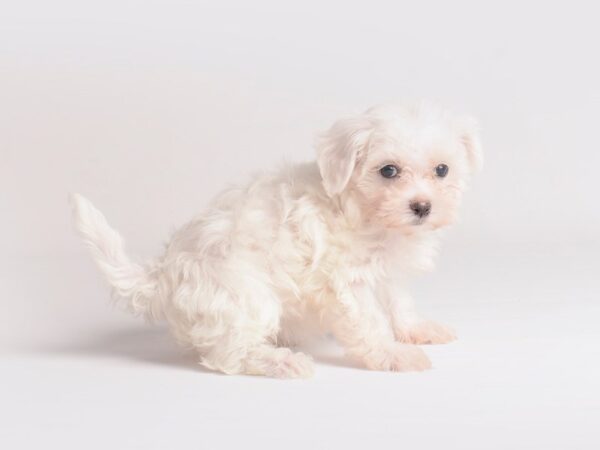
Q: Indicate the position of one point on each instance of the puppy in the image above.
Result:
(333, 243)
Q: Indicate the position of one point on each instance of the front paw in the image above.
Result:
(397, 357)
(424, 332)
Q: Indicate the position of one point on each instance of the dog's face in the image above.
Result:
(406, 167)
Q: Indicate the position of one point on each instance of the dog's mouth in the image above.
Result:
(418, 221)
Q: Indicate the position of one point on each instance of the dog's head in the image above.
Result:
(405, 166)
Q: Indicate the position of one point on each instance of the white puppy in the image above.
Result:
(331, 242)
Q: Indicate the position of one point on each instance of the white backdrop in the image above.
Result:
(150, 107)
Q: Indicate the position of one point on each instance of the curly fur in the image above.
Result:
(331, 243)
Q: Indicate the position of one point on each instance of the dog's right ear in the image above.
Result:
(340, 149)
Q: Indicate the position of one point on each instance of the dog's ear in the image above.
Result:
(340, 149)
(469, 136)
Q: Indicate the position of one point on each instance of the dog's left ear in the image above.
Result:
(340, 149)
(468, 129)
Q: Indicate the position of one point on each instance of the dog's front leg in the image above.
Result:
(409, 327)
(360, 324)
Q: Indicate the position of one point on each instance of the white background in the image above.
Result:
(151, 107)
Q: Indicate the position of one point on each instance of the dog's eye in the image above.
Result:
(441, 170)
(389, 171)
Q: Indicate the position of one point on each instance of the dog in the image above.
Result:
(329, 245)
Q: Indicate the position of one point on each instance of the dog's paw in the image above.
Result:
(424, 332)
(292, 365)
(399, 358)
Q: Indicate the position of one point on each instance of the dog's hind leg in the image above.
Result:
(240, 353)
(278, 362)
(238, 336)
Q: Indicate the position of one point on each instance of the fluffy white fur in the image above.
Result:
(332, 243)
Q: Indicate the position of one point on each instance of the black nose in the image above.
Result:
(421, 209)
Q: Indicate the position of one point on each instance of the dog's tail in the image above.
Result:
(130, 281)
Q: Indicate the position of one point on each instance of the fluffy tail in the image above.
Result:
(130, 281)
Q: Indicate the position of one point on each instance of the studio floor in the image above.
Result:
(524, 374)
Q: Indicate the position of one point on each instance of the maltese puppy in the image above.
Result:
(331, 243)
